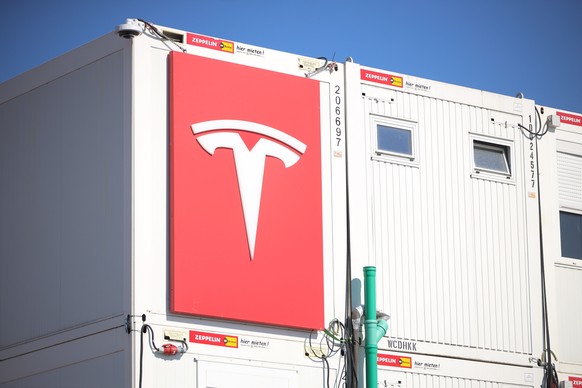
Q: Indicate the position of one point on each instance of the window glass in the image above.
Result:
(395, 140)
(492, 157)
(571, 234)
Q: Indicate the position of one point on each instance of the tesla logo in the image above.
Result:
(250, 164)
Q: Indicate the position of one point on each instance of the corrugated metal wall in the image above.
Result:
(450, 246)
(411, 380)
(62, 161)
(568, 270)
(570, 180)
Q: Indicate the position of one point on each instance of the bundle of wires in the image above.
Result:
(153, 29)
(331, 341)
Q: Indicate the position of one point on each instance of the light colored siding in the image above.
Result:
(62, 236)
(451, 247)
(567, 336)
(394, 379)
(570, 180)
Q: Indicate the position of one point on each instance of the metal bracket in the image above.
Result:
(127, 324)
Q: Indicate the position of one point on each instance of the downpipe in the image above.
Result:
(374, 329)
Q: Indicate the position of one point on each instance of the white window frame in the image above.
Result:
(391, 156)
(505, 147)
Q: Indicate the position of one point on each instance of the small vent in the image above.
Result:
(173, 36)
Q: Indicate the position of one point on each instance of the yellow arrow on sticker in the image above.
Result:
(405, 362)
(227, 46)
(231, 342)
(396, 81)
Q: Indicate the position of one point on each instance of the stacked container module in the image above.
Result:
(176, 211)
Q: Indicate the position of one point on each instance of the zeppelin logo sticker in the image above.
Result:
(246, 238)
(381, 78)
(200, 337)
(211, 43)
(569, 118)
(395, 361)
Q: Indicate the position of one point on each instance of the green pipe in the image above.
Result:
(374, 328)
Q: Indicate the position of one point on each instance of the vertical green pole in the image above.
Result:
(370, 327)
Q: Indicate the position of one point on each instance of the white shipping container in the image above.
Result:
(562, 213)
(453, 240)
(172, 188)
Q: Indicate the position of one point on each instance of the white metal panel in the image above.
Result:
(391, 379)
(559, 172)
(104, 371)
(451, 247)
(163, 371)
(570, 180)
(228, 375)
(428, 371)
(63, 167)
(567, 279)
(569, 291)
(445, 381)
(102, 355)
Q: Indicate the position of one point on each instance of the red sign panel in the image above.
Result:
(381, 78)
(576, 381)
(245, 193)
(395, 361)
(211, 43)
(568, 118)
(200, 337)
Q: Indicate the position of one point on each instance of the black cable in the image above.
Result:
(324, 65)
(539, 130)
(144, 329)
(326, 365)
(351, 374)
(141, 357)
(62, 343)
(154, 29)
(549, 370)
(185, 344)
(333, 345)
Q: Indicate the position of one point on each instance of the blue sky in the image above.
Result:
(502, 46)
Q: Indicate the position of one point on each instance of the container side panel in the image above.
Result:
(230, 376)
(569, 291)
(451, 244)
(61, 230)
(100, 357)
(397, 379)
(567, 334)
(104, 371)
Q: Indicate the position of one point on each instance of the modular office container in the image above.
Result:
(182, 210)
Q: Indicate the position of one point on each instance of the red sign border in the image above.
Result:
(281, 315)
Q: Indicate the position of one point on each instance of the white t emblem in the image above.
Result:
(250, 164)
